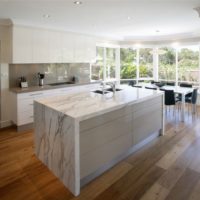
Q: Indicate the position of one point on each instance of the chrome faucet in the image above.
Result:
(112, 85)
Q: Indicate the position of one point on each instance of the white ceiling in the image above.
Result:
(109, 18)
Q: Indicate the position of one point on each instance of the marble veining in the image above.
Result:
(89, 104)
(55, 144)
(57, 122)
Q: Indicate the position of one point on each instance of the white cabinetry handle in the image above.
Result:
(65, 90)
(36, 94)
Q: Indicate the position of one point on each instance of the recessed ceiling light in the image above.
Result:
(77, 2)
(46, 15)
(128, 18)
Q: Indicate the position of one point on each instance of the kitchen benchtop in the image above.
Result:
(85, 105)
(47, 87)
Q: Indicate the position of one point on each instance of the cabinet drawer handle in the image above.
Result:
(36, 94)
(31, 104)
(65, 90)
(31, 116)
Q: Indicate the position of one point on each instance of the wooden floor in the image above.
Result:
(167, 168)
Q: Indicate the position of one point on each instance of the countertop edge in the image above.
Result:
(85, 117)
(113, 108)
(19, 90)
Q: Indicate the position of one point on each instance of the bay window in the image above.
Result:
(145, 63)
(188, 64)
(167, 64)
(164, 64)
(128, 63)
(97, 67)
(110, 63)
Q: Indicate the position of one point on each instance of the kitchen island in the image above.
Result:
(79, 136)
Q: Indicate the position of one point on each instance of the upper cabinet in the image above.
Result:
(22, 45)
(68, 48)
(31, 45)
(84, 49)
(40, 46)
(55, 47)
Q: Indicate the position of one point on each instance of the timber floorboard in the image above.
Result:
(168, 168)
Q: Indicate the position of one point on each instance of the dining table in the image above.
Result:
(183, 91)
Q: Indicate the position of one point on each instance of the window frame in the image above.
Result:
(155, 62)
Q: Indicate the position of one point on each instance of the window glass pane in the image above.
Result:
(128, 63)
(146, 63)
(110, 63)
(167, 64)
(188, 64)
(97, 67)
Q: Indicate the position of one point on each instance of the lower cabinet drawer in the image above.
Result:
(145, 122)
(25, 105)
(25, 118)
(106, 133)
(97, 158)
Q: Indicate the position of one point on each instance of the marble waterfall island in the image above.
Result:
(79, 136)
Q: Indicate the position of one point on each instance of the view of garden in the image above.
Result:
(188, 63)
(129, 63)
(167, 64)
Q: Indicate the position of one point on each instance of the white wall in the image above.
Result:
(5, 48)
(5, 103)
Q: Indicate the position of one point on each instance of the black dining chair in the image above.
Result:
(151, 88)
(187, 85)
(131, 83)
(155, 82)
(170, 99)
(137, 86)
(161, 84)
(193, 100)
(170, 83)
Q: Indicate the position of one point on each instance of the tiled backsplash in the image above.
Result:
(53, 73)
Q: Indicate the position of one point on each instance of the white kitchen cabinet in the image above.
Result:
(23, 102)
(67, 47)
(90, 51)
(80, 46)
(31, 45)
(55, 47)
(40, 46)
(21, 45)
(85, 49)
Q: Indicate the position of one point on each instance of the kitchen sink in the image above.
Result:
(106, 91)
(116, 90)
(100, 92)
(61, 83)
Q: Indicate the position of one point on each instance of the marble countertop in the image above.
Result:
(85, 105)
(46, 87)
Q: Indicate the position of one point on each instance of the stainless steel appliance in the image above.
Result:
(41, 79)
